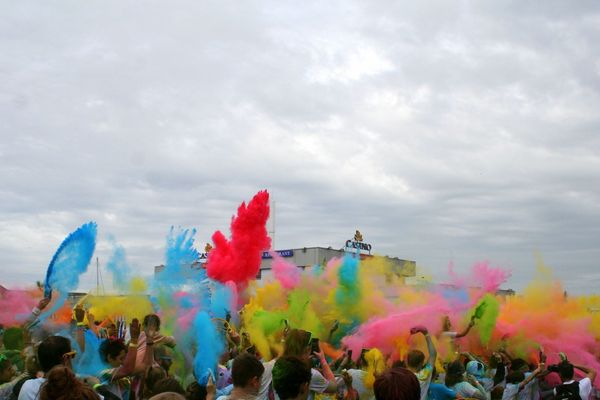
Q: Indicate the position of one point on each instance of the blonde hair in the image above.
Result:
(375, 366)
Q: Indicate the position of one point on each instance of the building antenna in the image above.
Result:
(97, 277)
(101, 279)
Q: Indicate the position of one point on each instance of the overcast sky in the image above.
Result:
(447, 131)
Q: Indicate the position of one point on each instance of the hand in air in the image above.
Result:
(134, 329)
(43, 303)
(79, 313)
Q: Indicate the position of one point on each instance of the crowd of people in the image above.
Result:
(136, 364)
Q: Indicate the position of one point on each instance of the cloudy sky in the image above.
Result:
(446, 131)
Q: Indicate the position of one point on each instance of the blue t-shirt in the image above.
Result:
(437, 391)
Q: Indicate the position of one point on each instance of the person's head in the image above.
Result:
(495, 360)
(32, 366)
(153, 375)
(13, 339)
(291, 378)
(515, 377)
(566, 371)
(195, 391)
(111, 330)
(168, 384)
(53, 351)
(246, 372)
(297, 343)
(476, 369)
(113, 352)
(397, 384)
(399, 364)
(415, 360)
(518, 364)
(6, 369)
(164, 358)
(151, 322)
(168, 396)
(455, 373)
(375, 366)
(61, 383)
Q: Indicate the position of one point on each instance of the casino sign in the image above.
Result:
(357, 245)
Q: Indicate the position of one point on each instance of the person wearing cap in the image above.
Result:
(455, 380)
(478, 371)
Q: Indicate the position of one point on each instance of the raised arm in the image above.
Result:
(430, 346)
(129, 368)
(327, 374)
(92, 323)
(531, 376)
(467, 329)
(80, 334)
(334, 328)
(590, 373)
(35, 313)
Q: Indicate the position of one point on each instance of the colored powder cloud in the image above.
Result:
(119, 268)
(238, 260)
(286, 273)
(209, 346)
(71, 260)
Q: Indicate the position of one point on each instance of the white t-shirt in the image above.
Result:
(31, 389)
(424, 376)
(265, 380)
(585, 388)
(465, 389)
(529, 392)
(510, 391)
(358, 383)
(228, 397)
(318, 384)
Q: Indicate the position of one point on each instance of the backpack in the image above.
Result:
(568, 391)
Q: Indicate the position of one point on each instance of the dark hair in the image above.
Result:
(296, 342)
(62, 384)
(517, 364)
(289, 374)
(112, 348)
(195, 391)
(454, 373)
(415, 358)
(13, 339)
(566, 371)
(152, 376)
(151, 319)
(397, 384)
(399, 364)
(500, 374)
(4, 364)
(244, 368)
(514, 377)
(168, 384)
(51, 350)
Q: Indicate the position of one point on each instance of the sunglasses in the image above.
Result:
(70, 354)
